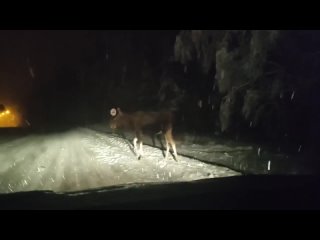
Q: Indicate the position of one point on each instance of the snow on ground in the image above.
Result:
(83, 159)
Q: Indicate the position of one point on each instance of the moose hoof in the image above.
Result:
(139, 157)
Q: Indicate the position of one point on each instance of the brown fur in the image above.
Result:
(138, 120)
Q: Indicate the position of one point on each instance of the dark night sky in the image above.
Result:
(48, 50)
(42, 49)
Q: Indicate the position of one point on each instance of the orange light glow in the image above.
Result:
(10, 118)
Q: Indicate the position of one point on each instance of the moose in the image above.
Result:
(139, 120)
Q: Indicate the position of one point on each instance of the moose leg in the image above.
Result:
(139, 138)
(135, 144)
(172, 143)
(141, 150)
(174, 150)
(167, 147)
(158, 137)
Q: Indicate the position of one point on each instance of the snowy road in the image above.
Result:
(84, 159)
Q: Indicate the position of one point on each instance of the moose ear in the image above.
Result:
(119, 111)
